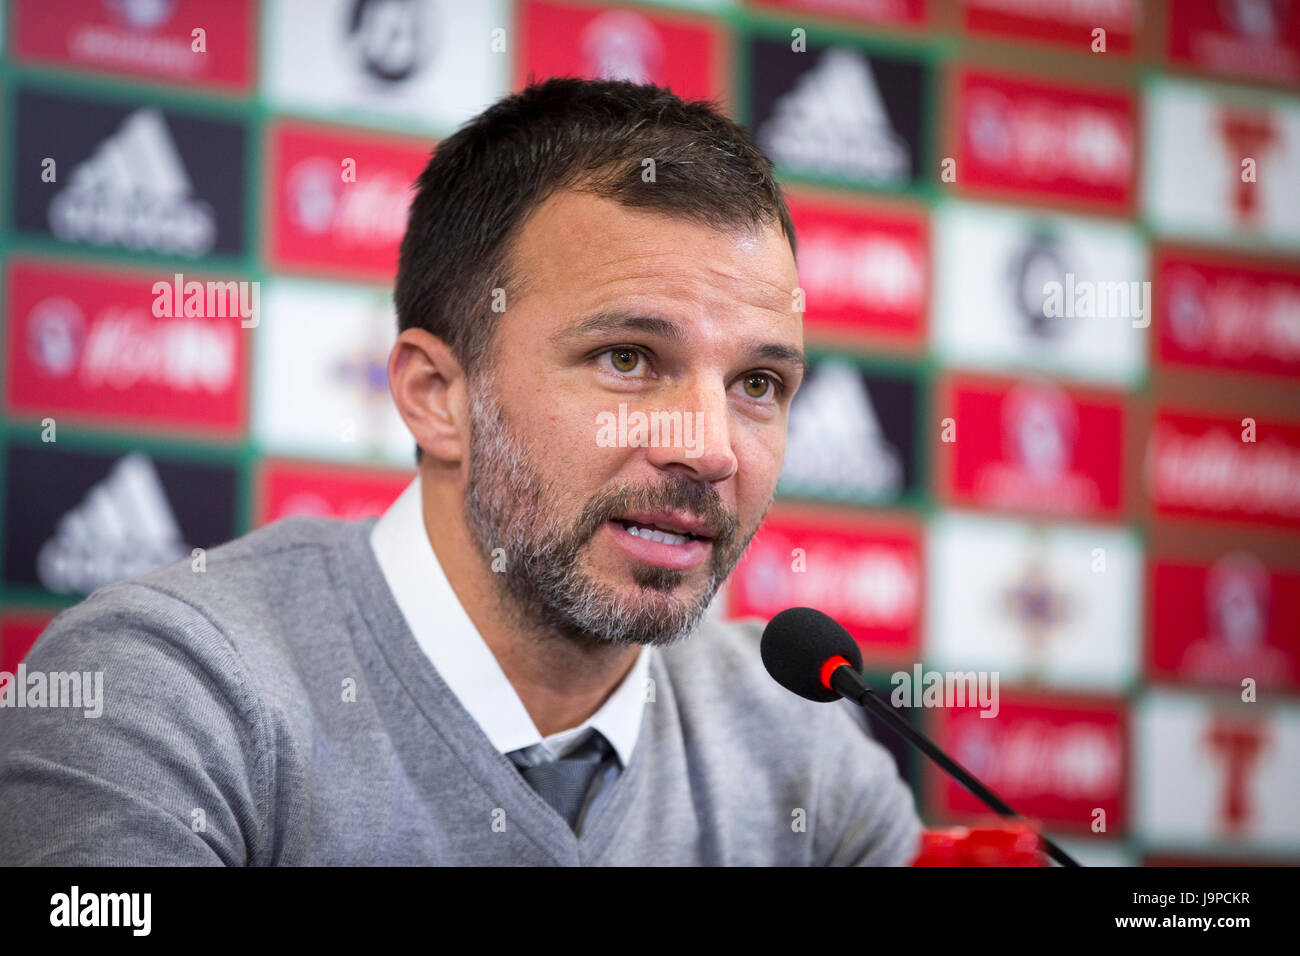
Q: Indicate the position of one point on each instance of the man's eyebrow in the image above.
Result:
(656, 325)
(784, 353)
(623, 322)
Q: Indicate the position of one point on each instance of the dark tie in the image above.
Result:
(564, 783)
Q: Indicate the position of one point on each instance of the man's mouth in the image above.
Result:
(679, 541)
(664, 528)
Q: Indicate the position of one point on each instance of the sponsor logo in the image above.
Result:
(1229, 314)
(1250, 133)
(1020, 447)
(1039, 263)
(838, 112)
(102, 351)
(389, 40)
(1226, 621)
(1213, 770)
(124, 527)
(322, 375)
(1055, 22)
(850, 435)
(1200, 466)
(133, 191)
(619, 44)
(1044, 141)
(1220, 167)
(77, 520)
(1055, 604)
(324, 221)
(424, 63)
(1252, 39)
(1058, 761)
(866, 575)
(854, 141)
(864, 273)
(289, 489)
(992, 311)
(148, 38)
(144, 180)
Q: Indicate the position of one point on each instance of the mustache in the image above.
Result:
(677, 493)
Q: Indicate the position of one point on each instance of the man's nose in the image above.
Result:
(700, 441)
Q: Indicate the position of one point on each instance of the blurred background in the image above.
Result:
(1051, 259)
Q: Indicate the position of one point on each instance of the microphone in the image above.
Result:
(811, 654)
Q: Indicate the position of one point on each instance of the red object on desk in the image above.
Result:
(1009, 845)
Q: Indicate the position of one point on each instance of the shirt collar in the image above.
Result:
(462, 658)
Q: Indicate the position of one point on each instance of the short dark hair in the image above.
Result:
(484, 180)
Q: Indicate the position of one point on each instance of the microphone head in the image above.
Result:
(798, 642)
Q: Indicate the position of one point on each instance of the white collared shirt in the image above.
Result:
(465, 662)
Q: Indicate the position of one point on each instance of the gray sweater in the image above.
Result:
(274, 709)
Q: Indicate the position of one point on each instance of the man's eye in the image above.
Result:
(625, 360)
(758, 385)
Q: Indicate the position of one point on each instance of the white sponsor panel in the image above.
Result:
(1217, 773)
(320, 374)
(992, 311)
(427, 63)
(1222, 162)
(1057, 604)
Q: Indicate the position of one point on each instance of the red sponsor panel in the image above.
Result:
(874, 12)
(339, 201)
(1054, 759)
(864, 270)
(288, 489)
(1258, 41)
(1050, 21)
(1046, 142)
(151, 40)
(1220, 312)
(1207, 467)
(626, 43)
(1033, 447)
(127, 348)
(1221, 621)
(18, 632)
(865, 573)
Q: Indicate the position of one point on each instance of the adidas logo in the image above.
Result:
(123, 527)
(834, 123)
(133, 192)
(835, 443)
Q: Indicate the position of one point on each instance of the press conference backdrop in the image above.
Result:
(1050, 260)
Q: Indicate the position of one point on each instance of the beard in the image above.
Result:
(510, 510)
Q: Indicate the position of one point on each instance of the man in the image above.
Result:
(512, 665)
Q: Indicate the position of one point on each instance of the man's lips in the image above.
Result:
(682, 554)
(671, 522)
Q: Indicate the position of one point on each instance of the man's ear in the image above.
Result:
(429, 389)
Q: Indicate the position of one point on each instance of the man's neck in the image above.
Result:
(560, 682)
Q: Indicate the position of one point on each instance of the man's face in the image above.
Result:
(627, 437)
